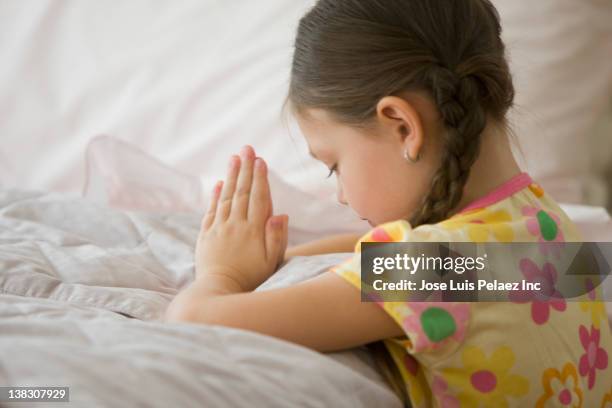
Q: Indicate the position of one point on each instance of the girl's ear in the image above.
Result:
(402, 121)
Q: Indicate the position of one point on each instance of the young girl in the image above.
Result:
(406, 101)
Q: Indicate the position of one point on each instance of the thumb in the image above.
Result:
(284, 239)
(274, 236)
(285, 236)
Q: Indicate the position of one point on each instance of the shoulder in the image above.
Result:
(393, 231)
(402, 231)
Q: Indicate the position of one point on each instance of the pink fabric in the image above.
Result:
(123, 176)
(516, 183)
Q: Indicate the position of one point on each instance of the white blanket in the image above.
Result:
(83, 289)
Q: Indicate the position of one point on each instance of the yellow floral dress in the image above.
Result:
(498, 354)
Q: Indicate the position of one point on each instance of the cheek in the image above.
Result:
(383, 194)
(371, 193)
(354, 187)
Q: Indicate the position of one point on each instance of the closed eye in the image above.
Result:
(332, 170)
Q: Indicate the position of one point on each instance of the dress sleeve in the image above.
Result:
(350, 269)
(427, 325)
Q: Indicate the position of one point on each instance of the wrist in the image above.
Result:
(219, 281)
(289, 253)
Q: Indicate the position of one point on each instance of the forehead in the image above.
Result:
(321, 132)
(313, 121)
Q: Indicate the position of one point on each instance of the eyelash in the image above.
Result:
(332, 170)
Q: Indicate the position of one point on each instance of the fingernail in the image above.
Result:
(234, 161)
(260, 163)
(246, 151)
(276, 222)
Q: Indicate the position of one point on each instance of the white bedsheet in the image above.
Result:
(71, 271)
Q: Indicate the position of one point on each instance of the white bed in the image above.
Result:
(83, 289)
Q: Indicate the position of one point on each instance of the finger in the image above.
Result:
(271, 208)
(227, 193)
(209, 217)
(259, 201)
(286, 233)
(240, 201)
(274, 230)
(271, 205)
(284, 239)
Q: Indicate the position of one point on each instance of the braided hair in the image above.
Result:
(351, 53)
(458, 101)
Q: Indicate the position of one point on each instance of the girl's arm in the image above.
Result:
(239, 245)
(327, 245)
(324, 313)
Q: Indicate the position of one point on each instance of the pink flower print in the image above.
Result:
(380, 235)
(434, 322)
(547, 277)
(393, 231)
(486, 381)
(439, 389)
(546, 227)
(594, 358)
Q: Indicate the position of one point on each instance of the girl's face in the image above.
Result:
(373, 177)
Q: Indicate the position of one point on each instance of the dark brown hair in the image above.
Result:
(351, 53)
